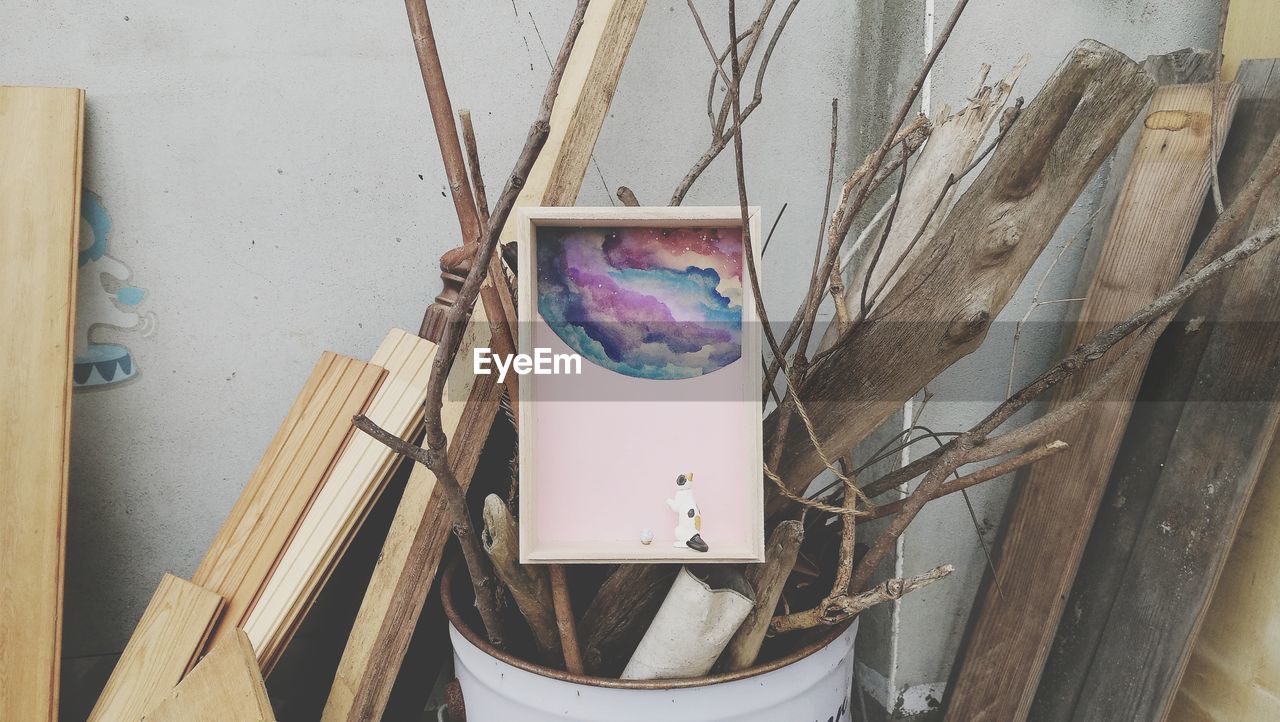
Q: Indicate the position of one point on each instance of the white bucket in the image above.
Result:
(815, 686)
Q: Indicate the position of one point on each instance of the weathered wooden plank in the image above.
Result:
(1139, 474)
(171, 633)
(1000, 665)
(41, 134)
(415, 543)
(980, 253)
(352, 485)
(280, 491)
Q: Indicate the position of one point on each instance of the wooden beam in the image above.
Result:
(279, 493)
(1184, 471)
(415, 544)
(1150, 230)
(981, 253)
(354, 483)
(172, 632)
(41, 135)
(1253, 31)
(225, 685)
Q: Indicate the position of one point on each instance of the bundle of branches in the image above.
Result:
(913, 292)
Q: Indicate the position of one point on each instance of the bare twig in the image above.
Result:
(837, 609)
(1214, 143)
(435, 456)
(627, 196)
(564, 620)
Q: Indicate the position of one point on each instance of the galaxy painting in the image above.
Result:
(651, 303)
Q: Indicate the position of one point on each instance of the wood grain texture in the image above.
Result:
(171, 633)
(414, 546)
(225, 685)
(353, 484)
(1253, 31)
(1000, 664)
(980, 254)
(41, 134)
(290, 474)
(1143, 485)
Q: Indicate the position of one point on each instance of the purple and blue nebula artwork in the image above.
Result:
(652, 303)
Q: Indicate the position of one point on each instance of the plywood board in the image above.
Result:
(1000, 664)
(292, 471)
(1253, 31)
(172, 632)
(357, 478)
(41, 133)
(225, 685)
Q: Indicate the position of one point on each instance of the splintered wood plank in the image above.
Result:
(225, 685)
(352, 486)
(41, 133)
(1197, 398)
(1000, 665)
(411, 554)
(171, 633)
(1253, 31)
(297, 461)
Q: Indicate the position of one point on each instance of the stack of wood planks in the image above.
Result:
(41, 140)
(1150, 228)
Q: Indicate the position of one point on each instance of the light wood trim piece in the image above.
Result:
(1000, 665)
(225, 685)
(41, 136)
(316, 429)
(1253, 31)
(357, 478)
(172, 632)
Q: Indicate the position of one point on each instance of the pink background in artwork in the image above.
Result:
(604, 468)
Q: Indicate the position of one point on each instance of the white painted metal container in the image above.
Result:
(811, 684)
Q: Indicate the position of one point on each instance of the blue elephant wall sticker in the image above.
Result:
(105, 297)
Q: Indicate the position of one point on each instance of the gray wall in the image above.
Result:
(273, 185)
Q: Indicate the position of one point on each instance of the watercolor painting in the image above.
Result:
(657, 304)
(652, 303)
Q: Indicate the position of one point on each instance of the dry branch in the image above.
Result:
(983, 249)
(566, 627)
(837, 609)
(528, 583)
(767, 581)
(617, 618)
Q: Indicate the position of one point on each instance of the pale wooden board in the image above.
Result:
(357, 478)
(1205, 398)
(1253, 31)
(416, 541)
(290, 474)
(171, 633)
(41, 134)
(225, 685)
(1000, 664)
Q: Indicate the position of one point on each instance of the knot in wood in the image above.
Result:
(967, 325)
(1003, 235)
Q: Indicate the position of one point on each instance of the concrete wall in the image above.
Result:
(269, 183)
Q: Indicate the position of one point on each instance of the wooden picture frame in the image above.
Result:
(712, 418)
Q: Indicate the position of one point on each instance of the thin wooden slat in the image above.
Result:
(171, 633)
(1200, 402)
(41, 134)
(1000, 665)
(1253, 31)
(411, 554)
(357, 478)
(289, 476)
(225, 685)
